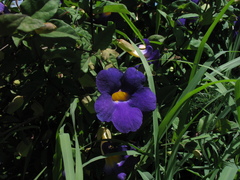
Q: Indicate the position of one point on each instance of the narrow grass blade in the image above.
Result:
(171, 114)
(78, 160)
(68, 161)
(129, 152)
(205, 38)
(42, 171)
(237, 98)
(155, 112)
(132, 26)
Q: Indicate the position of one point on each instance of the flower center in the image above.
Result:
(120, 96)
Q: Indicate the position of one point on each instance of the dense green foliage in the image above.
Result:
(51, 53)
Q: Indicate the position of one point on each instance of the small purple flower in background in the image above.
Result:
(195, 1)
(236, 27)
(123, 98)
(146, 49)
(3, 9)
(184, 21)
(181, 21)
(117, 166)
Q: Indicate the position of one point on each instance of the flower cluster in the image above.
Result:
(123, 98)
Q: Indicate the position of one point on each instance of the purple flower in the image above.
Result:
(195, 1)
(118, 166)
(184, 21)
(3, 9)
(181, 21)
(236, 27)
(123, 98)
(148, 51)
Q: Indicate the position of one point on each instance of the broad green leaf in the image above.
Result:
(145, 175)
(66, 54)
(9, 23)
(229, 171)
(29, 24)
(195, 43)
(111, 7)
(13, 106)
(42, 10)
(63, 30)
(103, 39)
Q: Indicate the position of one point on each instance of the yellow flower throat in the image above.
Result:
(120, 96)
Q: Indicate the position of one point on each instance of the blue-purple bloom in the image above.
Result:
(236, 27)
(195, 1)
(148, 51)
(118, 166)
(123, 98)
(3, 9)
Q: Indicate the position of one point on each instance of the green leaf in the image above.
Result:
(195, 43)
(104, 38)
(111, 7)
(145, 175)
(42, 10)
(66, 54)
(9, 23)
(29, 24)
(228, 172)
(63, 30)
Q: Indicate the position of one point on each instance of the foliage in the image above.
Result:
(51, 53)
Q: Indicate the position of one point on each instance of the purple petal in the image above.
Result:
(108, 81)
(195, 1)
(126, 118)
(122, 176)
(144, 99)
(2, 7)
(104, 107)
(147, 42)
(132, 80)
(148, 51)
(155, 55)
(181, 22)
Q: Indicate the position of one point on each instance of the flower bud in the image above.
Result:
(103, 133)
(47, 28)
(13, 106)
(124, 45)
(16, 82)
(88, 103)
(197, 153)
